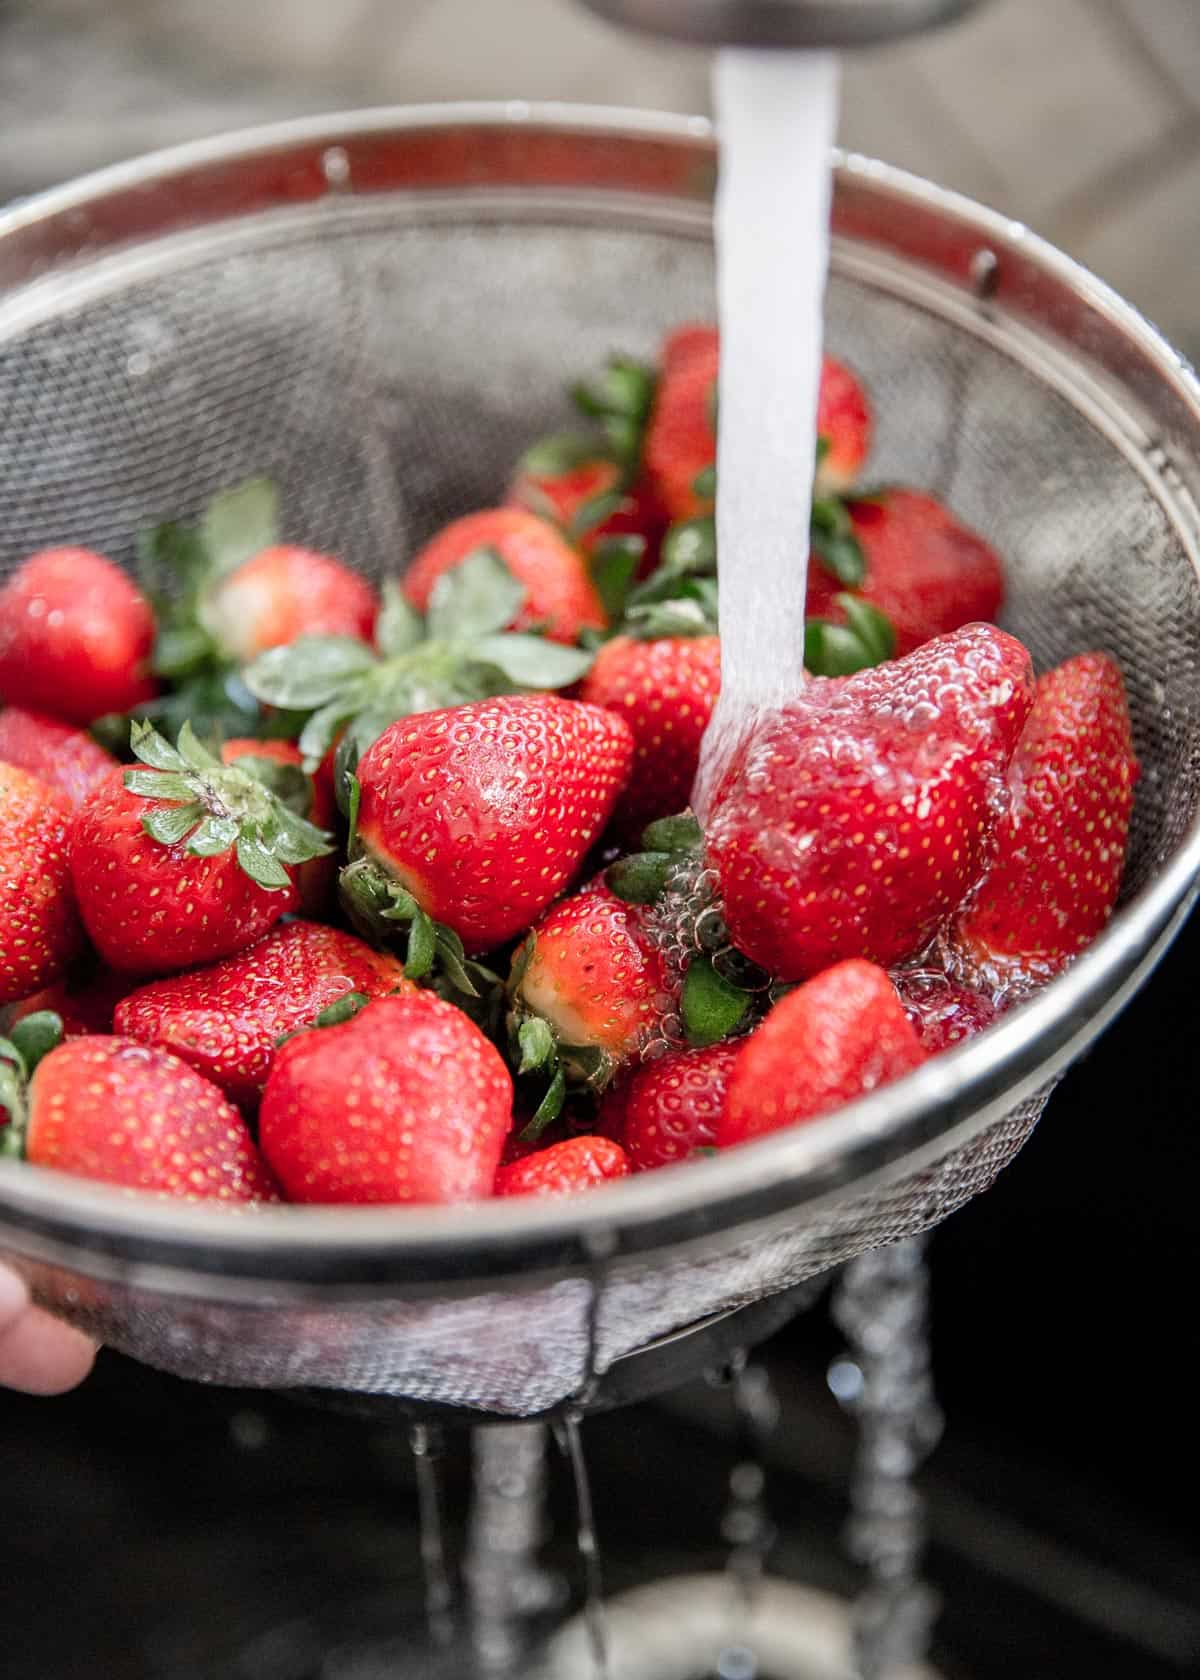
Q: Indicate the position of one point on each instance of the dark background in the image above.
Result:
(155, 1531)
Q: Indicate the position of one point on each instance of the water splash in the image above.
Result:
(777, 114)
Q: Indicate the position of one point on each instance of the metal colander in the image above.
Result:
(380, 312)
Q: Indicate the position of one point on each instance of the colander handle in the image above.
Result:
(782, 23)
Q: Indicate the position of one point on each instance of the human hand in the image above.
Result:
(39, 1354)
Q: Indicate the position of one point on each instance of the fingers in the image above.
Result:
(39, 1354)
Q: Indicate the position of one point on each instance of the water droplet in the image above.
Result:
(335, 166)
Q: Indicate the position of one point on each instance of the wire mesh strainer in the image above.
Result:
(380, 312)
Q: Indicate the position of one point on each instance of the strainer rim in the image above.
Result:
(800, 1165)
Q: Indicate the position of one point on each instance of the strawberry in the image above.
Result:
(672, 1107)
(589, 988)
(67, 759)
(564, 1168)
(84, 1002)
(476, 816)
(943, 1012)
(665, 690)
(285, 592)
(105, 1108)
(589, 495)
(852, 821)
(185, 861)
(927, 573)
(39, 927)
(406, 1102)
(75, 637)
(225, 1021)
(835, 1038)
(310, 797)
(681, 438)
(559, 593)
(1060, 846)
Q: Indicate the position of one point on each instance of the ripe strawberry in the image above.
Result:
(1060, 846)
(407, 1102)
(186, 861)
(927, 573)
(310, 797)
(75, 637)
(943, 1012)
(482, 813)
(39, 927)
(67, 759)
(665, 690)
(854, 819)
(835, 1038)
(83, 1002)
(564, 1168)
(282, 593)
(588, 495)
(672, 1107)
(559, 593)
(681, 438)
(589, 987)
(225, 1021)
(105, 1108)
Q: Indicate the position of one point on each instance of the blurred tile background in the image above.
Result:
(1082, 117)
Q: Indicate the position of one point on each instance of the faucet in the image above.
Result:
(782, 23)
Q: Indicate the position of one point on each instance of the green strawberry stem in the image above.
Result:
(711, 1006)
(379, 907)
(642, 877)
(31, 1039)
(213, 808)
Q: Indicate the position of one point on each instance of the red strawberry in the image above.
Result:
(482, 813)
(225, 1021)
(564, 1168)
(1060, 846)
(673, 1106)
(926, 572)
(39, 928)
(681, 438)
(943, 1012)
(592, 974)
(76, 637)
(67, 759)
(835, 1038)
(309, 796)
(84, 1004)
(105, 1108)
(560, 484)
(854, 819)
(407, 1102)
(282, 593)
(559, 592)
(184, 862)
(665, 690)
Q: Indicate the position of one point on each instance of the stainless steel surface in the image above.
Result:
(380, 310)
(782, 23)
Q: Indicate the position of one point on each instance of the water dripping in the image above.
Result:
(570, 1440)
(508, 1526)
(426, 1444)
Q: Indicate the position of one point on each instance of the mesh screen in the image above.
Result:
(387, 375)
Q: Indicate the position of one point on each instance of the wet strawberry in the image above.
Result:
(76, 637)
(665, 690)
(407, 1102)
(853, 820)
(39, 927)
(588, 496)
(564, 1169)
(282, 593)
(309, 796)
(84, 1002)
(66, 758)
(127, 1114)
(480, 814)
(943, 1011)
(835, 1038)
(559, 592)
(185, 861)
(1060, 846)
(226, 1021)
(673, 1106)
(925, 571)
